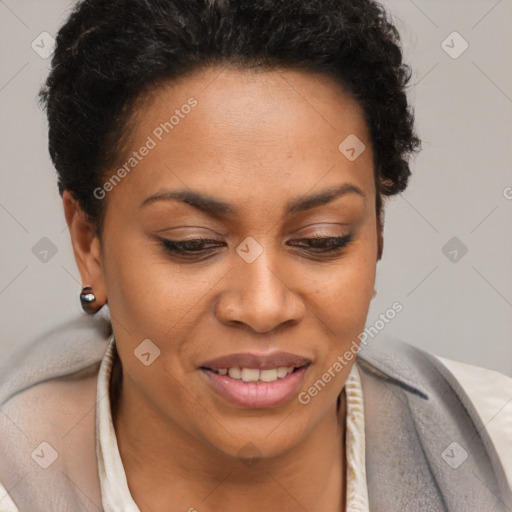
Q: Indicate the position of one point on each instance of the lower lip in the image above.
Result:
(256, 395)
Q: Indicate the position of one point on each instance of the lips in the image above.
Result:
(256, 395)
(256, 361)
(251, 380)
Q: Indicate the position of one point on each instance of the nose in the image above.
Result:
(259, 295)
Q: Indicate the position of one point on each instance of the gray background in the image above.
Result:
(460, 309)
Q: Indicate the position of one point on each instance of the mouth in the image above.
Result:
(255, 374)
(252, 381)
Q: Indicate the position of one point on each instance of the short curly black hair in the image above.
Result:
(108, 53)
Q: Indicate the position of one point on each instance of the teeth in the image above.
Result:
(269, 375)
(250, 374)
(282, 372)
(235, 373)
(254, 375)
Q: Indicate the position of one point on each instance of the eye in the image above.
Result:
(323, 244)
(189, 247)
(203, 246)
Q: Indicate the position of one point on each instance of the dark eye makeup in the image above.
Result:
(202, 246)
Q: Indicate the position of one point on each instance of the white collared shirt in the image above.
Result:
(114, 487)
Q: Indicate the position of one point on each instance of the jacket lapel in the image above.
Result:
(426, 448)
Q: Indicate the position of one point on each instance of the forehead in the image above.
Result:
(243, 134)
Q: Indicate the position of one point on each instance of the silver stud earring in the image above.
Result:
(88, 301)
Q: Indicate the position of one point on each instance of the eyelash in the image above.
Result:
(320, 245)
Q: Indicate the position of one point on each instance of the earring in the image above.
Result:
(88, 299)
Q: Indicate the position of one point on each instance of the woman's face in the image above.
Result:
(254, 163)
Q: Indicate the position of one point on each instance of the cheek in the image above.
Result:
(343, 294)
(150, 296)
(135, 285)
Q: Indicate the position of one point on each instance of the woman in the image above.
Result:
(223, 168)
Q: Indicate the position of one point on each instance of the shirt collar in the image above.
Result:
(116, 495)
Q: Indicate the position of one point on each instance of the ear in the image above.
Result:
(86, 247)
(380, 234)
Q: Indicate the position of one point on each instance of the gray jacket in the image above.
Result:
(426, 447)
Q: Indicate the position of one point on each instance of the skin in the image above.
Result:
(255, 140)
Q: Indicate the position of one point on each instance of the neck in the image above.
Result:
(166, 465)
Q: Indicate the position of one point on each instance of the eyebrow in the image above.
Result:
(216, 207)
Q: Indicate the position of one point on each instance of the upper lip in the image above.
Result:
(258, 361)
